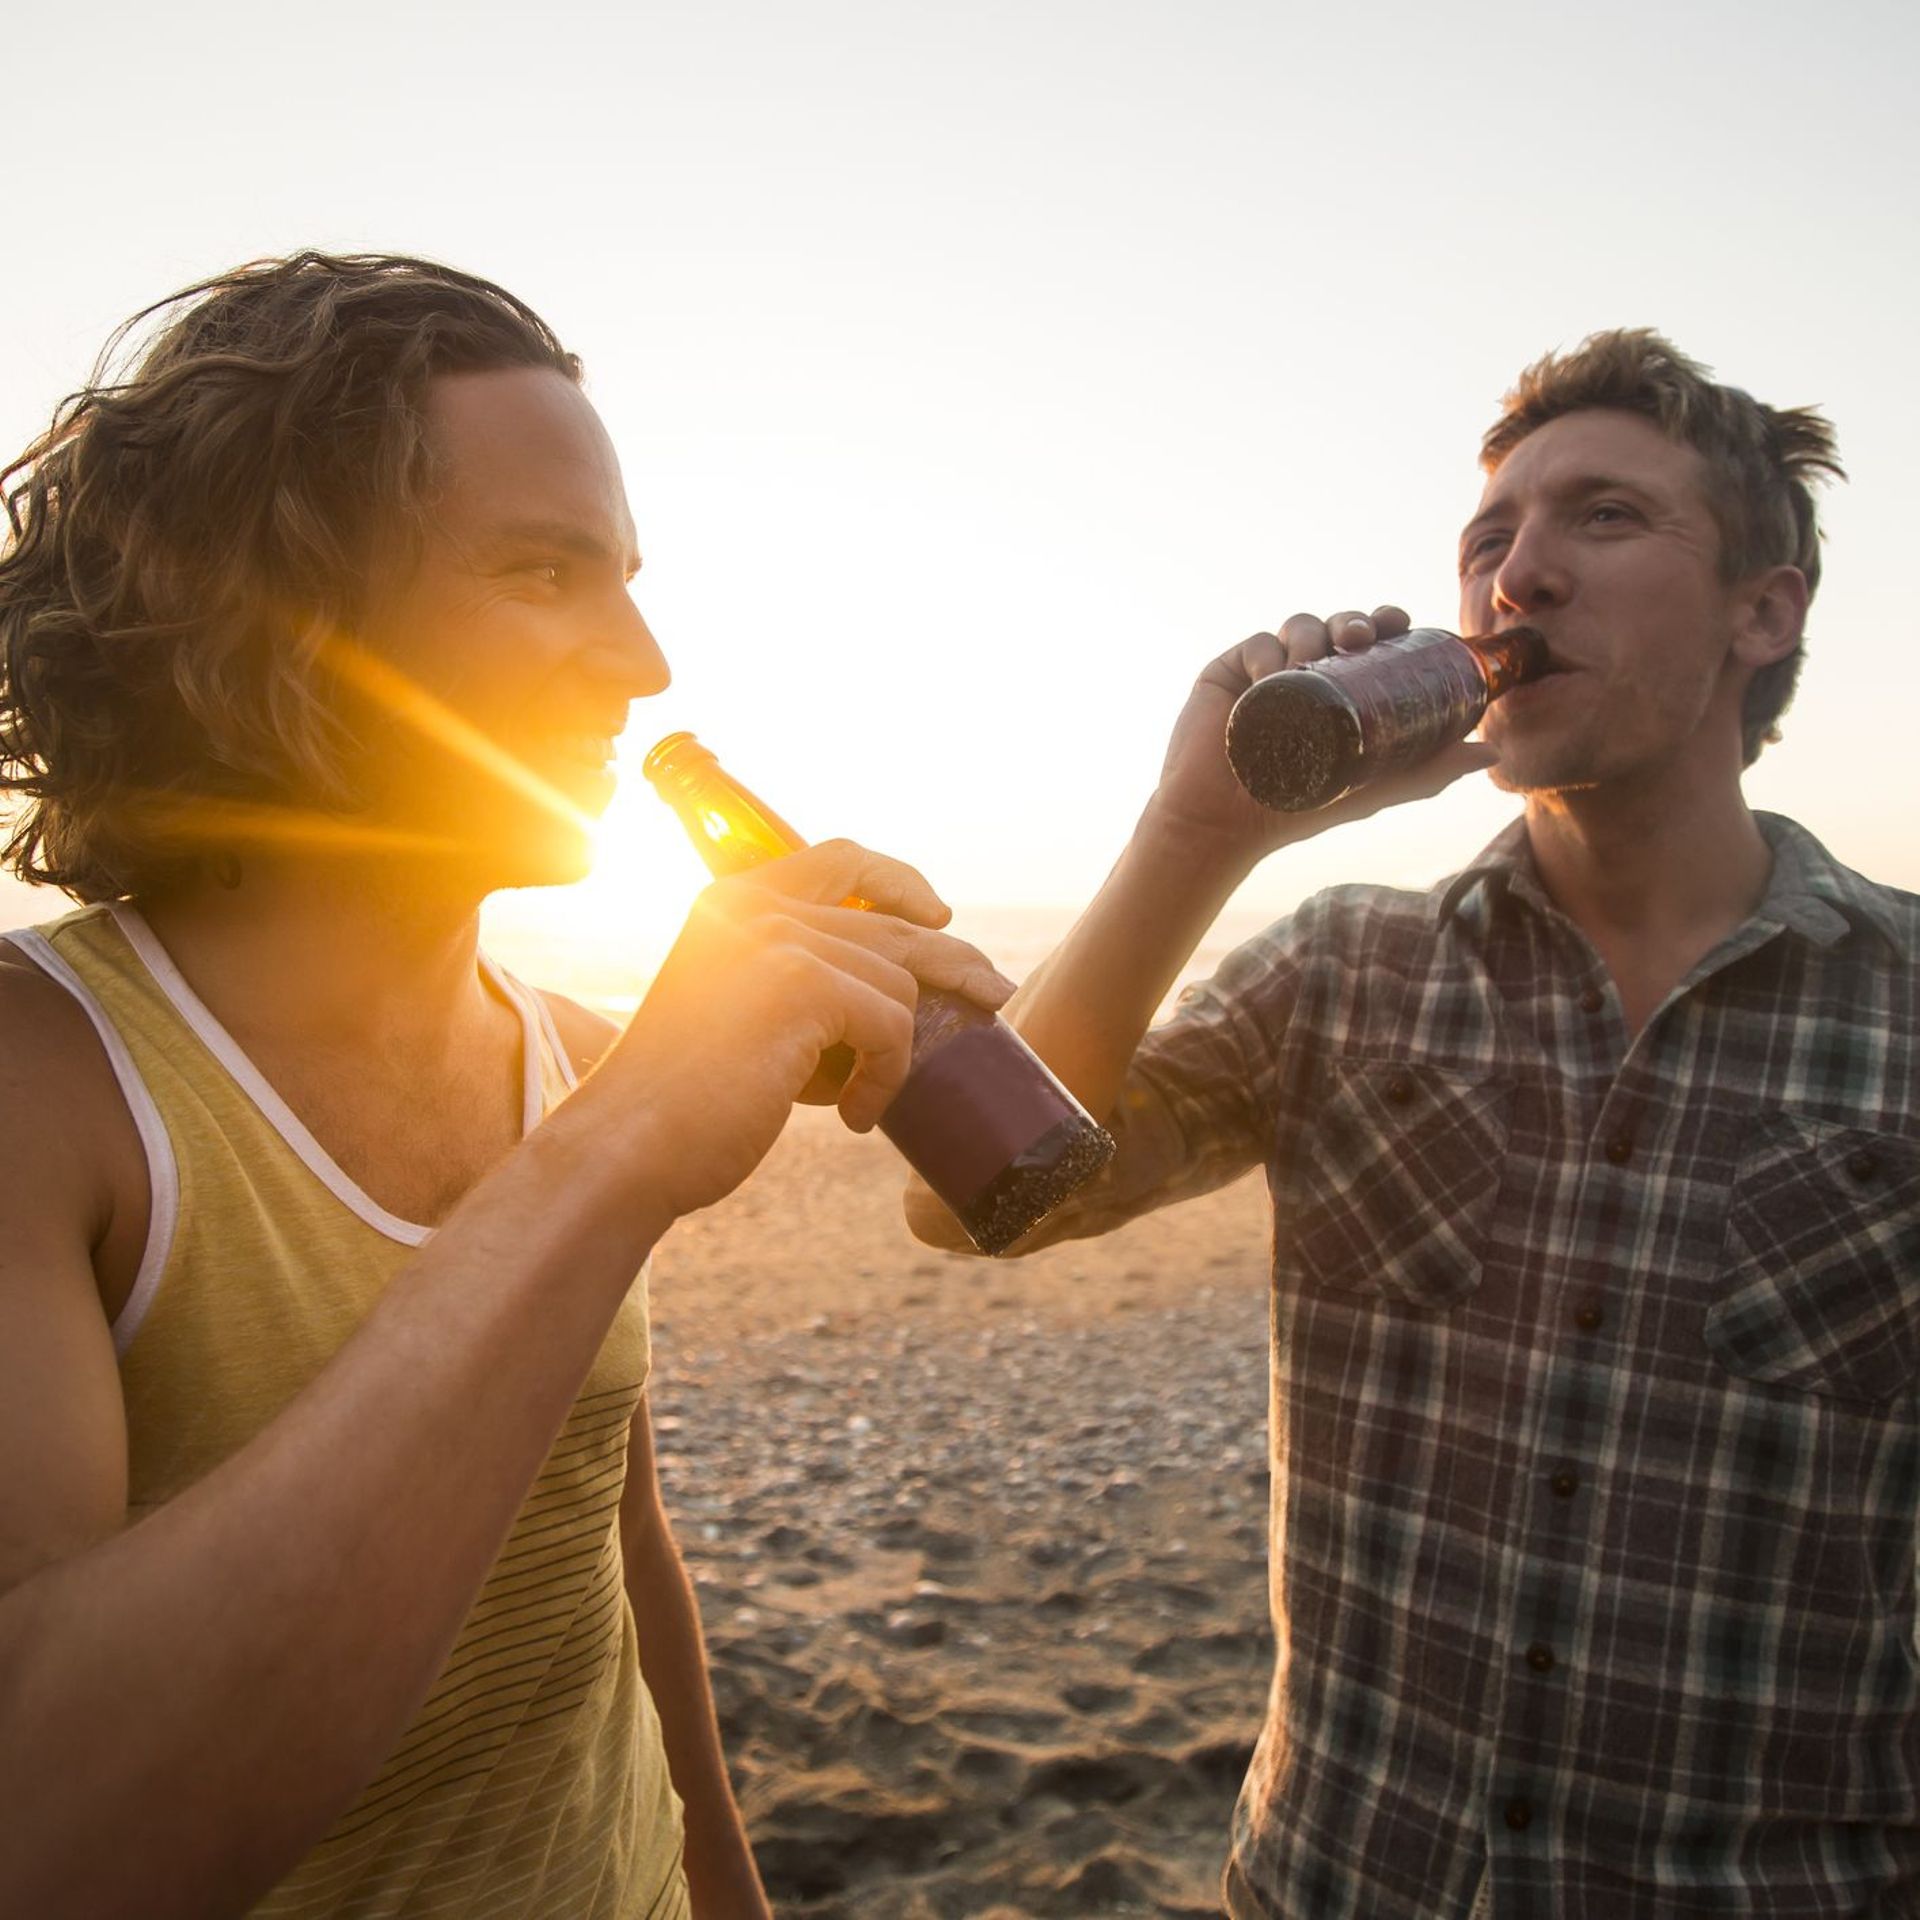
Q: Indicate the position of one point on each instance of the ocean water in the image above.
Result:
(611, 974)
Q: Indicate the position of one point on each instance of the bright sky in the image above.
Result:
(980, 372)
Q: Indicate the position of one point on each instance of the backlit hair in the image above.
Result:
(190, 529)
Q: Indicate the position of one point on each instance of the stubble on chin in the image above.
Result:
(1542, 776)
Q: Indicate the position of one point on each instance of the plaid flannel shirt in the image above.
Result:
(1594, 1426)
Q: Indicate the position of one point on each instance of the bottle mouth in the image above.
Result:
(671, 752)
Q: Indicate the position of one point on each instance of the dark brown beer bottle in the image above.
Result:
(1304, 737)
(980, 1118)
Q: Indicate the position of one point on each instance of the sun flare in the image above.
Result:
(602, 939)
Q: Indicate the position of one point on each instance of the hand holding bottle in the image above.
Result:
(769, 972)
(1201, 803)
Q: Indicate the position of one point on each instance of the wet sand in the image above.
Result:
(980, 1547)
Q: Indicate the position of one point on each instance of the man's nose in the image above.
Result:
(1531, 574)
(626, 651)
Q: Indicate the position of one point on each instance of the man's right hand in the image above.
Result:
(1201, 803)
(771, 970)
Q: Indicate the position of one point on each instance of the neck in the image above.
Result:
(1655, 878)
(327, 951)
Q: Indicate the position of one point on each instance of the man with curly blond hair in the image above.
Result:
(333, 1572)
(1596, 1190)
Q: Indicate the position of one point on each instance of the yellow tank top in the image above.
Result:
(533, 1781)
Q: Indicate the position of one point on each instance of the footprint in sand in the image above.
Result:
(827, 1834)
(991, 1770)
(1160, 1726)
(1098, 1780)
(1105, 1885)
(1195, 1653)
(995, 1720)
(907, 1532)
(1089, 1696)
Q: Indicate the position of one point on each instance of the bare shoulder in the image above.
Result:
(72, 1189)
(586, 1035)
(67, 1140)
(75, 1170)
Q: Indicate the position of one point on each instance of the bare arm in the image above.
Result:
(1087, 1008)
(721, 1875)
(188, 1704)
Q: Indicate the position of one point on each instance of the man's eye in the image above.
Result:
(1609, 512)
(547, 572)
(1478, 548)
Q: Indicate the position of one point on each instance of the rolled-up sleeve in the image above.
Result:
(1197, 1107)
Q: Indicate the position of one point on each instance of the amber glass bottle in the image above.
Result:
(980, 1118)
(1306, 736)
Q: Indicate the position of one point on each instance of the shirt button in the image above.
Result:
(1540, 1657)
(1565, 1484)
(1399, 1089)
(1862, 1166)
(1620, 1149)
(1592, 1000)
(1519, 1814)
(1589, 1318)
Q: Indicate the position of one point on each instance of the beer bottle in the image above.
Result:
(1306, 736)
(979, 1118)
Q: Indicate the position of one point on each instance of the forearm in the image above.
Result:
(1085, 1009)
(720, 1871)
(186, 1708)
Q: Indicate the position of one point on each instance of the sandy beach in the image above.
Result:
(980, 1547)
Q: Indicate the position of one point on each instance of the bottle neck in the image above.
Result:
(1509, 658)
(731, 828)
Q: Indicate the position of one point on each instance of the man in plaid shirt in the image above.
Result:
(1596, 1306)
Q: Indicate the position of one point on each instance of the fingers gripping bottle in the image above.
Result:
(980, 1118)
(1307, 736)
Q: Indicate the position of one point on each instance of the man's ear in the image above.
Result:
(1773, 613)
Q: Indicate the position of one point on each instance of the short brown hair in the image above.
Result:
(1762, 465)
(184, 535)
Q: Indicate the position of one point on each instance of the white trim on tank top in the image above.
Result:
(163, 1175)
(562, 1058)
(278, 1115)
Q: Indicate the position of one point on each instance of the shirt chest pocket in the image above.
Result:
(1820, 1283)
(1396, 1174)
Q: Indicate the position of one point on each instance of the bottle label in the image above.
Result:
(970, 1106)
(1411, 696)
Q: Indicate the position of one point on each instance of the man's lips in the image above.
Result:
(1550, 665)
(1556, 662)
(1509, 636)
(1529, 693)
(593, 738)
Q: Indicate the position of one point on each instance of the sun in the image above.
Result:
(603, 939)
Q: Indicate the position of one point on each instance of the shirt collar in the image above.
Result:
(1505, 859)
(1809, 892)
(1813, 895)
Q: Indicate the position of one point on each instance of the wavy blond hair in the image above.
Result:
(185, 534)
